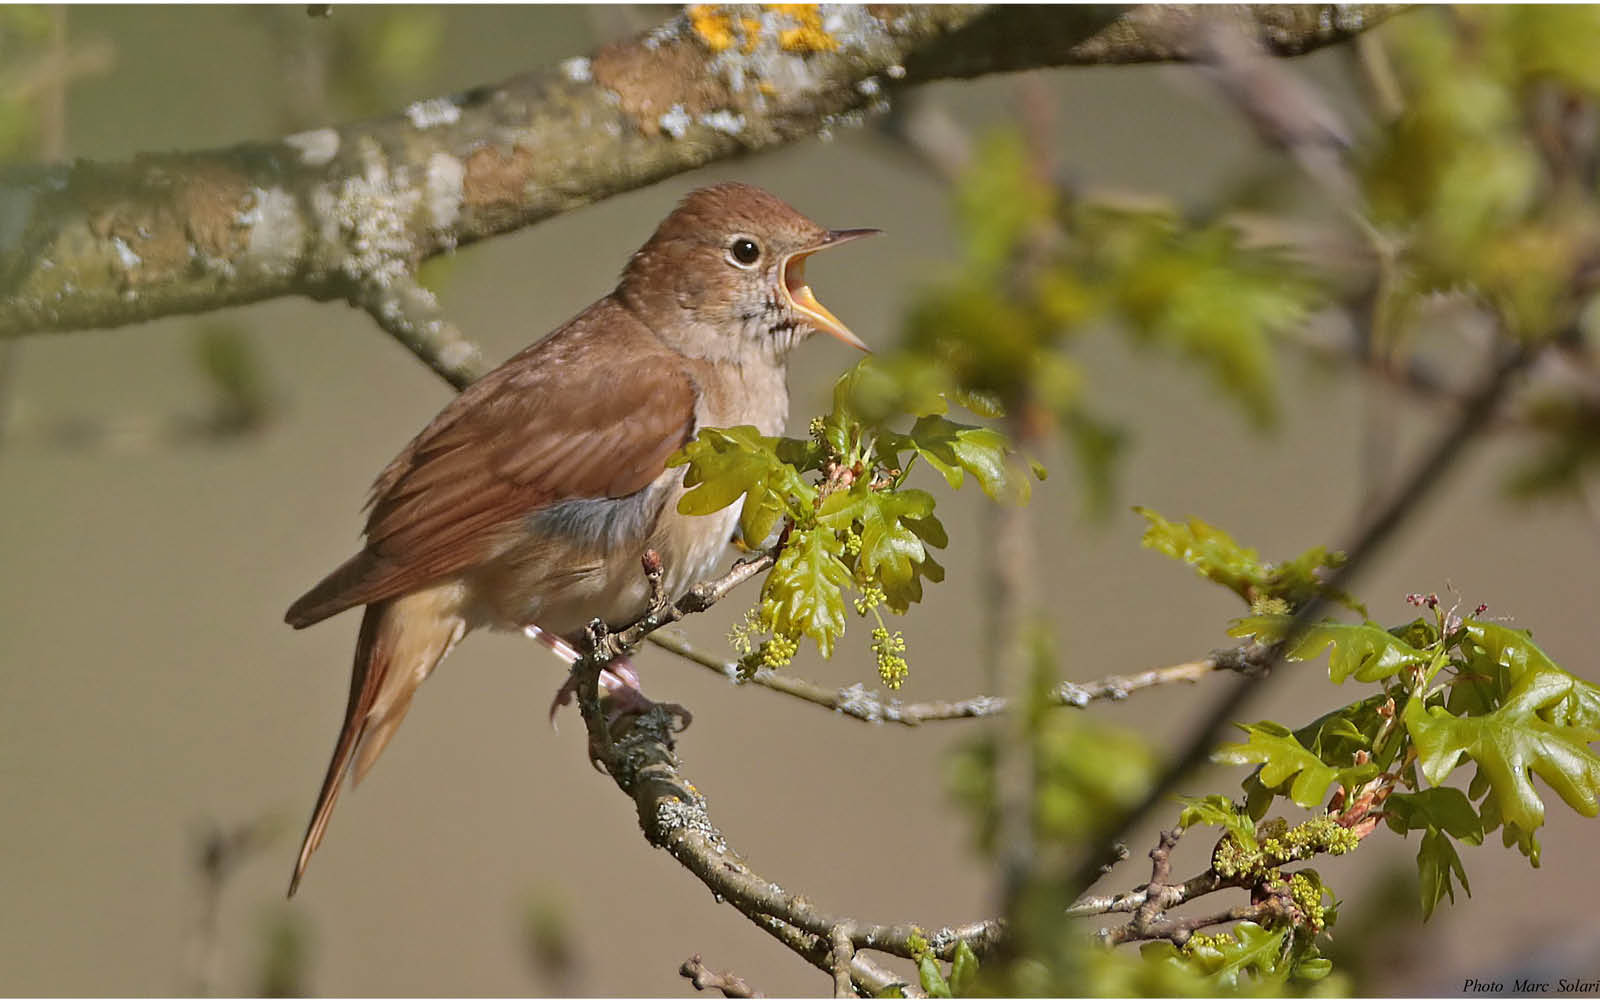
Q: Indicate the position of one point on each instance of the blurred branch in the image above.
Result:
(217, 857)
(331, 213)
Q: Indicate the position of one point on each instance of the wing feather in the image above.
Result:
(532, 433)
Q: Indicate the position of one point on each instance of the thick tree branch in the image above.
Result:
(347, 212)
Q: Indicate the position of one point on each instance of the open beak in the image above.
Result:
(799, 293)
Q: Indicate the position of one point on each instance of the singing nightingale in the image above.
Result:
(531, 498)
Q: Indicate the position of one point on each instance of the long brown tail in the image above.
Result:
(401, 641)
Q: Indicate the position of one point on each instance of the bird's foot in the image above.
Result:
(621, 695)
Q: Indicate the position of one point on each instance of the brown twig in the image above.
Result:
(726, 983)
(856, 702)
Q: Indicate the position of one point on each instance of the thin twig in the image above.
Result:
(726, 983)
(1202, 884)
(410, 313)
(843, 952)
(856, 702)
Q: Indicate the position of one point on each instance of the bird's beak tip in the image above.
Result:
(801, 297)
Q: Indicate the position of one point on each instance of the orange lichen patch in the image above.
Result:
(807, 35)
(496, 179)
(713, 24)
(752, 32)
(673, 78)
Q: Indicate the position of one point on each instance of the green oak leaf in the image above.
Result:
(727, 463)
(804, 590)
(1365, 652)
(956, 449)
(1284, 759)
(1216, 556)
(1437, 862)
(1444, 809)
(1509, 745)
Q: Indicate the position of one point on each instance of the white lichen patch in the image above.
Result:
(577, 69)
(277, 233)
(676, 121)
(125, 255)
(895, 71)
(316, 148)
(444, 189)
(432, 112)
(723, 120)
(369, 214)
(868, 87)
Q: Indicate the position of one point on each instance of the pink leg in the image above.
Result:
(619, 681)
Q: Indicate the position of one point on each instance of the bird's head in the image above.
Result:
(725, 275)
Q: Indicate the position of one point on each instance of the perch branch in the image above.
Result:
(672, 812)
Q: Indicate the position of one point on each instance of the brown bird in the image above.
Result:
(529, 501)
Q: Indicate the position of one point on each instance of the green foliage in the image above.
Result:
(1365, 652)
(1083, 769)
(1503, 705)
(233, 370)
(1461, 172)
(1510, 745)
(1284, 759)
(24, 44)
(1217, 557)
(1038, 269)
(841, 500)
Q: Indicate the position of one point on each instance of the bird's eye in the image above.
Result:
(744, 251)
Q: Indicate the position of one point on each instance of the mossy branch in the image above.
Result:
(348, 211)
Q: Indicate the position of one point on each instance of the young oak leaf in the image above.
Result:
(804, 590)
(1511, 744)
(956, 449)
(1437, 862)
(1216, 556)
(1513, 650)
(727, 463)
(1444, 809)
(1216, 810)
(1365, 652)
(1283, 758)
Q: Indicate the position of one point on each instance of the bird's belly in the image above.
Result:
(560, 581)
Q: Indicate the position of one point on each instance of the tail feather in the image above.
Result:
(400, 643)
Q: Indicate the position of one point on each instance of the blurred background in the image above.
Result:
(166, 490)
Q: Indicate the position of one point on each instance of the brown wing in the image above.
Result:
(592, 411)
